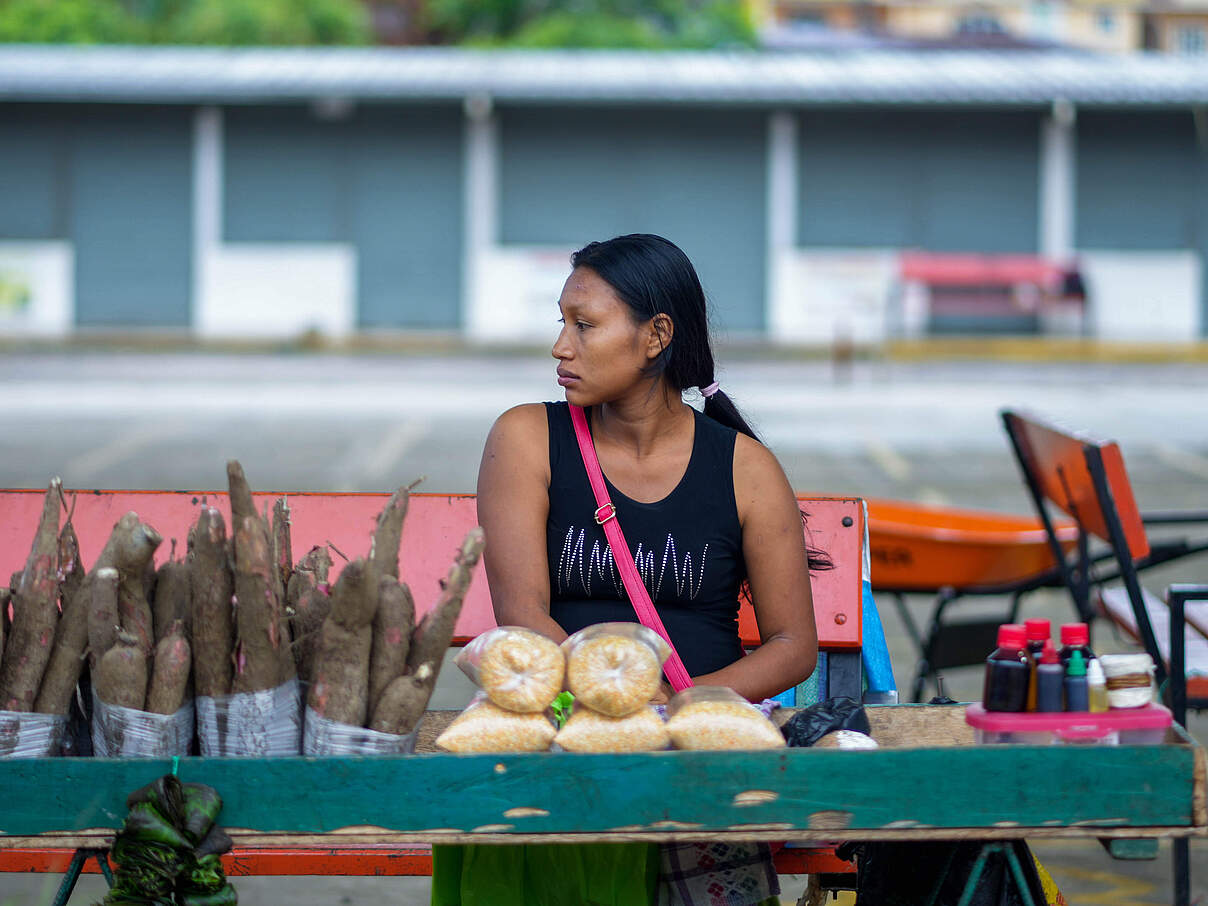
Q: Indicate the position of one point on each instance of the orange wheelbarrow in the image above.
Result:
(952, 552)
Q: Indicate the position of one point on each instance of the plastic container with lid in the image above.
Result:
(1007, 671)
(1145, 726)
(1129, 679)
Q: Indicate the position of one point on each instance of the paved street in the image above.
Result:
(918, 431)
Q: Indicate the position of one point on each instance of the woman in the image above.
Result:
(703, 504)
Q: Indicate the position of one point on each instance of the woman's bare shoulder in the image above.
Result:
(527, 421)
(521, 434)
(758, 475)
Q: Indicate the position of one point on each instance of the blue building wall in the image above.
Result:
(116, 181)
(35, 156)
(938, 180)
(697, 176)
(386, 179)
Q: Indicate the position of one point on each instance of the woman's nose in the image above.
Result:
(561, 349)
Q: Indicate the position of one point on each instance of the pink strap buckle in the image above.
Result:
(611, 514)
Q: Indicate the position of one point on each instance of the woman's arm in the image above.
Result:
(513, 505)
(773, 544)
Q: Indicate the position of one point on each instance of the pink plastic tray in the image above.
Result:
(1068, 725)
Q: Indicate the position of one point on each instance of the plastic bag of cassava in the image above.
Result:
(615, 668)
(119, 732)
(519, 669)
(321, 736)
(485, 727)
(587, 731)
(251, 724)
(714, 717)
(31, 735)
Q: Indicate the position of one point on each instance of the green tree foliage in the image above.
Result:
(68, 22)
(270, 22)
(593, 23)
(234, 22)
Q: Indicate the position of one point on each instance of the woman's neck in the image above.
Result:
(642, 424)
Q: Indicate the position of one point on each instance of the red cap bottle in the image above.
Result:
(1006, 685)
(1075, 634)
(1075, 637)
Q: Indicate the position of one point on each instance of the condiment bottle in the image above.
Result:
(1006, 685)
(1050, 680)
(1096, 685)
(1075, 636)
(1038, 632)
(1077, 694)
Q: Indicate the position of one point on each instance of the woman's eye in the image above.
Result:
(581, 325)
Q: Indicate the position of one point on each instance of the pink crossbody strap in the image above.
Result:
(606, 516)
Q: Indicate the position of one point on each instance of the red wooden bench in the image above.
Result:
(433, 529)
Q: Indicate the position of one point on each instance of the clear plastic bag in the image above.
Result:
(615, 668)
(322, 736)
(715, 717)
(588, 731)
(264, 723)
(24, 734)
(519, 669)
(485, 727)
(119, 732)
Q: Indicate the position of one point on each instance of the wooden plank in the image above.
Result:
(430, 797)
(104, 838)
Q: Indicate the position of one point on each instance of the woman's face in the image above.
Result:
(601, 352)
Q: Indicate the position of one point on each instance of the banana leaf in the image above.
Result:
(165, 794)
(200, 808)
(202, 876)
(215, 844)
(224, 897)
(144, 823)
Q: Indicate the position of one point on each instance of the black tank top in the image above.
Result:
(687, 547)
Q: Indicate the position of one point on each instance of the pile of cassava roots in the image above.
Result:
(234, 614)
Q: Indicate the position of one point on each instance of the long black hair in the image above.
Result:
(653, 276)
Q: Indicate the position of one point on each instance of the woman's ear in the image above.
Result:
(661, 330)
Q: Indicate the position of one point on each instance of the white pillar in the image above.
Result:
(481, 202)
(1058, 182)
(207, 199)
(781, 208)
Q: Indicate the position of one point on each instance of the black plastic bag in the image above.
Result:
(810, 724)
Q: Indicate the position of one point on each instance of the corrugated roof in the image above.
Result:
(859, 76)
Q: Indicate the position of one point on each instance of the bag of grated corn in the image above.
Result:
(614, 668)
(587, 731)
(485, 727)
(519, 669)
(714, 717)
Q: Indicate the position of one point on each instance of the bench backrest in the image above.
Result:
(433, 530)
(1081, 475)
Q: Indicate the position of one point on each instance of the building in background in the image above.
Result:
(824, 195)
(1117, 26)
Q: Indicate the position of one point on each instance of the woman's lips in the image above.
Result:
(565, 380)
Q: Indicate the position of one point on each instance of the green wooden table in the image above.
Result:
(927, 781)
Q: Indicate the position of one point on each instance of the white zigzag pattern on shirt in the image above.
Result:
(600, 565)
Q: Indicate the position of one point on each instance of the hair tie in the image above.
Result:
(707, 392)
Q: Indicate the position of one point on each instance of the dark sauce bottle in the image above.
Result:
(1006, 686)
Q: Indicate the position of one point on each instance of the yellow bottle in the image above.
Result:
(1096, 685)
